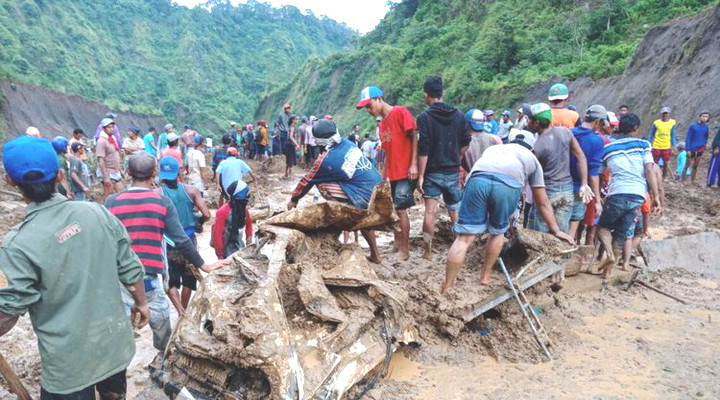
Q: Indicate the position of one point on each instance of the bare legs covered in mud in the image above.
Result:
(402, 237)
(458, 251)
(429, 221)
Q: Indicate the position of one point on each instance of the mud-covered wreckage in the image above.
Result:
(291, 318)
(300, 316)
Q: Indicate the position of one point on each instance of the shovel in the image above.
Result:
(13, 381)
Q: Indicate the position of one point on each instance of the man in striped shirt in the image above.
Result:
(148, 215)
(630, 162)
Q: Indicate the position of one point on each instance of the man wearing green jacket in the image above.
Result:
(63, 264)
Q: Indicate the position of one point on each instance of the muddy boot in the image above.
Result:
(427, 247)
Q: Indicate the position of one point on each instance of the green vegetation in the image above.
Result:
(203, 66)
(489, 52)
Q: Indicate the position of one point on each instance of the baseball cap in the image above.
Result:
(32, 131)
(231, 151)
(30, 154)
(168, 126)
(313, 118)
(522, 137)
(171, 137)
(367, 94)
(328, 117)
(558, 91)
(680, 145)
(199, 139)
(597, 112)
(76, 146)
(169, 168)
(665, 110)
(325, 133)
(540, 112)
(106, 121)
(262, 122)
(489, 112)
(613, 119)
(286, 105)
(378, 119)
(506, 113)
(134, 129)
(233, 123)
(141, 164)
(476, 119)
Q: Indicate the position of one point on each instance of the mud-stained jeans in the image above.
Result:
(561, 199)
(113, 387)
(159, 310)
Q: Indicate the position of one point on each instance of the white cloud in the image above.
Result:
(362, 15)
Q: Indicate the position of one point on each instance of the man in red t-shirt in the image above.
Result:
(398, 135)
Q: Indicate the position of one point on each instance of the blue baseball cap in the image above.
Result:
(476, 119)
(367, 94)
(169, 168)
(30, 154)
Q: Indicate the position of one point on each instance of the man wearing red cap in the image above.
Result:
(282, 122)
(398, 134)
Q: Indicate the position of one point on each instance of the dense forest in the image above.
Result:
(203, 66)
(489, 52)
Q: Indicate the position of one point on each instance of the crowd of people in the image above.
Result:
(589, 177)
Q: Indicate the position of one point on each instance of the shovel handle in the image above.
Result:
(12, 380)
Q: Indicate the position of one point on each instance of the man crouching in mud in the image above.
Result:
(64, 264)
(341, 174)
(492, 193)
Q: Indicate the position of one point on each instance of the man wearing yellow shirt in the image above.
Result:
(662, 137)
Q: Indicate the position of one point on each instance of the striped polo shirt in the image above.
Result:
(625, 158)
(143, 213)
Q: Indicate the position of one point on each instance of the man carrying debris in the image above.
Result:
(63, 264)
(147, 216)
(630, 163)
(231, 173)
(398, 135)
(442, 143)
(341, 174)
(491, 196)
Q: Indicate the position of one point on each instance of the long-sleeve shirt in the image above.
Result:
(63, 264)
(716, 140)
(697, 136)
(442, 135)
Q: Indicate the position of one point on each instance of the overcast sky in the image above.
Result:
(362, 15)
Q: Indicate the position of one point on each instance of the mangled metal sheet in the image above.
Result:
(306, 319)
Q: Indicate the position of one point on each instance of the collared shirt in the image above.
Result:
(626, 158)
(64, 264)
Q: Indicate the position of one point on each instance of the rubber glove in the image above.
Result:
(586, 194)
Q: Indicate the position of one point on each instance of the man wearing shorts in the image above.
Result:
(492, 194)
(398, 135)
(696, 140)
(662, 137)
(107, 151)
(442, 143)
(631, 173)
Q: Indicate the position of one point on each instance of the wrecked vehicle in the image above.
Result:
(296, 316)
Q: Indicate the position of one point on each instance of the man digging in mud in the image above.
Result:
(492, 193)
(631, 165)
(341, 174)
(64, 264)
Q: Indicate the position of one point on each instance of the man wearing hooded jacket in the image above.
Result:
(442, 143)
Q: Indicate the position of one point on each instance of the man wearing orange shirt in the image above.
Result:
(398, 134)
(561, 115)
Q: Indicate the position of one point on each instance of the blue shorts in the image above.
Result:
(445, 184)
(402, 193)
(487, 205)
(561, 200)
(579, 208)
(619, 212)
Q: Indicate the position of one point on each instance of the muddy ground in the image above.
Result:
(612, 344)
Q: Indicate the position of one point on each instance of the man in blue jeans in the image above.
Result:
(442, 143)
(492, 193)
(630, 162)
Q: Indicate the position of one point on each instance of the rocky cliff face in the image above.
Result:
(56, 113)
(676, 65)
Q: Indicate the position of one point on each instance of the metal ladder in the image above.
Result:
(531, 317)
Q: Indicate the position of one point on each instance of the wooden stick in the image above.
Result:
(660, 291)
(13, 381)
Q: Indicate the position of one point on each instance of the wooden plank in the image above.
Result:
(545, 271)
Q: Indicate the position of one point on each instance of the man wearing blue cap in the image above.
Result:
(84, 337)
(479, 139)
(504, 126)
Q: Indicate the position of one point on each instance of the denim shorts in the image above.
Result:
(579, 208)
(619, 213)
(487, 205)
(561, 200)
(402, 193)
(445, 184)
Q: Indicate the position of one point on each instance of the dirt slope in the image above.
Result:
(56, 113)
(675, 65)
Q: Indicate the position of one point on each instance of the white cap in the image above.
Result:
(171, 137)
(106, 121)
(32, 131)
(527, 136)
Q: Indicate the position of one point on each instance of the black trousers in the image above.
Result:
(111, 388)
